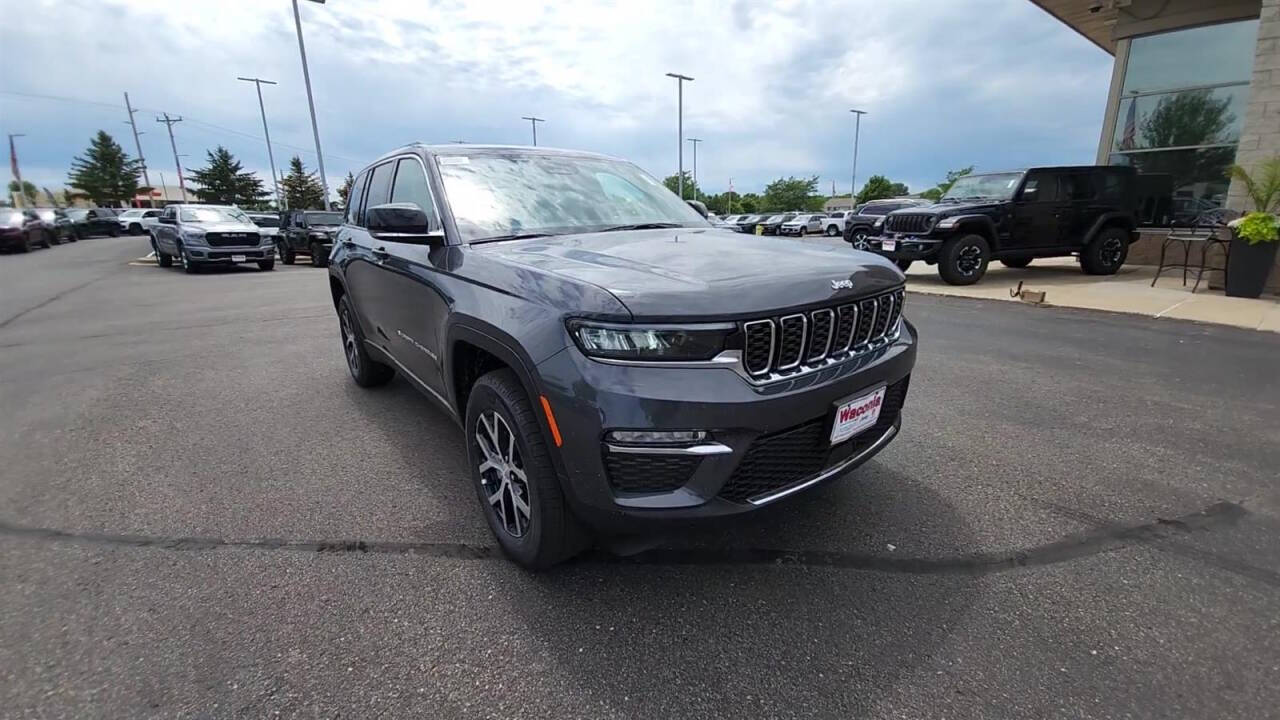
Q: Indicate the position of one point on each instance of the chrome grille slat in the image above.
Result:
(799, 342)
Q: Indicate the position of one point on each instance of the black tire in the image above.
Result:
(366, 371)
(1015, 262)
(135, 229)
(46, 239)
(267, 264)
(963, 260)
(318, 258)
(1106, 253)
(903, 265)
(858, 239)
(287, 255)
(163, 260)
(831, 231)
(25, 245)
(550, 533)
(114, 232)
(189, 266)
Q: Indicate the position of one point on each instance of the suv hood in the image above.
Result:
(697, 273)
(224, 226)
(944, 209)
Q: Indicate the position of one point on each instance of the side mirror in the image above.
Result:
(402, 223)
(166, 220)
(697, 205)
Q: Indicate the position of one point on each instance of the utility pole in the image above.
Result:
(680, 80)
(271, 158)
(168, 121)
(533, 122)
(13, 167)
(853, 182)
(138, 144)
(311, 103)
(695, 142)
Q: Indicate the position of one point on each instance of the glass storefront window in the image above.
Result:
(1195, 57)
(1180, 114)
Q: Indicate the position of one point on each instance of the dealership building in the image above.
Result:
(1195, 88)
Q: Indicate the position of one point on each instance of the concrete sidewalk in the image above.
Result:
(1128, 291)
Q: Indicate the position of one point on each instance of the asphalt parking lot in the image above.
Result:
(202, 516)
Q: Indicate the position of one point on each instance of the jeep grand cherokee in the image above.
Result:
(609, 368)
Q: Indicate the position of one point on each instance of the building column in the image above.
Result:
(1260, 135)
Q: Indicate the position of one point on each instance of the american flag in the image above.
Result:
(1130, 139)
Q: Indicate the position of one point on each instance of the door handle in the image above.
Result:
(381, 253)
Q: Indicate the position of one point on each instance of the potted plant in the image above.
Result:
(1255, 237)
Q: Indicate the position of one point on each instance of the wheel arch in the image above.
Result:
(1120, 220)
(978, 225)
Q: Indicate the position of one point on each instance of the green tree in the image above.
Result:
(105, 174)
(791, 193)
(344, 190)
(301, 189)
(899, 189)
(691, 190)
(25, 190)
(749, 203)
(1191, 117)
(878, 187)
(224, 182)
(935, 193)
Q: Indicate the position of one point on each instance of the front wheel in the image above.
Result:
(903, 265)
(267, 264)
(286, 253)
(114, 232)
(859, 240)
(832, 231)
(516, 483)
(318, 258)
(963, 260)
(135, 229)
(1105, 253)
(46, 240)
(188, 265)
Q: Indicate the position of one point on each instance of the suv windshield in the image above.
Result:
(10, 218)
(999, 186)
(131, 214)
(496, 195)
(79, 214)
(323, 218)
(213, 215)
(265, 220)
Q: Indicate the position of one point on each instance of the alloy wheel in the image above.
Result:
(860, 240)
(349, 342)
(969, 260)
(502, 473)
(1110, 252)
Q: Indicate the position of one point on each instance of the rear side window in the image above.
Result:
(355, 214)
(1110, 186)
(1045, 186)
(1076, 186)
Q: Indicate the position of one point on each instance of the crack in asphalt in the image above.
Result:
(1102, 539)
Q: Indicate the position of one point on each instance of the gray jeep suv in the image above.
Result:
(200, 235)
(613, 359)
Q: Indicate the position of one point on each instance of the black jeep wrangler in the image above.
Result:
(307, 231)
(1013, 217)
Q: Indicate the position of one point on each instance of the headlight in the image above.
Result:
(947, 222)
(196, 236)
(879, 221)
(657, 342)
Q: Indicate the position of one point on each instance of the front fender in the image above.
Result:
(981, 224)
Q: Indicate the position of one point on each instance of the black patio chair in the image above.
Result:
(1207, 231)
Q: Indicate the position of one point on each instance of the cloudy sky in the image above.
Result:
(946, 83)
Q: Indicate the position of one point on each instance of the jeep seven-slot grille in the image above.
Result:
(908, 223)
(807, 339)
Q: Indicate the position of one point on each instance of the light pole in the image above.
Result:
(169, 122)
(533, 122)
(853, 181)
(13, 165)
(311, 103)
(271, 158)
(680, 80)
(146, 178)
(695, 142)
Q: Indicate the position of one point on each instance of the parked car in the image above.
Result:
(747, 223)
(834, 224)
(199, 235)
(57, 225)
(515, 287)
(731, 220)
(21, 230)
(1017, 216)
(803, 224)
(861, 223)
(268, 224)
(87, 222)
(308, 231)
(133, 220)
(773, 223)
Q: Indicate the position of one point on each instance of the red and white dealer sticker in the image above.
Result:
(856, 415)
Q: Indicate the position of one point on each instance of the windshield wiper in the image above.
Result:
(642, 226)
(513, 236)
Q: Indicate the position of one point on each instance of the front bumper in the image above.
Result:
(912, 248)
(227, 255)
(784, 230)
(755, 433)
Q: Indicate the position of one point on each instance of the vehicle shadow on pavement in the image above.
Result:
(670, 638)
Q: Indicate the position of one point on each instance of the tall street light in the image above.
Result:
(271, 158)
(311, 103)
(695, 142)
(853, 181)
(533, 122)
(680, 80)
